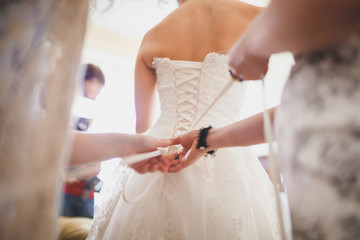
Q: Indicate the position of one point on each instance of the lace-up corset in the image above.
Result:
(186, 88)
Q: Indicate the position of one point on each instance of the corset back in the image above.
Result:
(186, 88)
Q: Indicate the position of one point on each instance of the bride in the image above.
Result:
(228, 196)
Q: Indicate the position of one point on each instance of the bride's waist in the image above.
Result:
(169, 125)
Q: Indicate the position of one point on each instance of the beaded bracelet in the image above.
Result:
(235, 77)
(201, 141)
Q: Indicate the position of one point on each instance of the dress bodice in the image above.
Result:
(186, 88)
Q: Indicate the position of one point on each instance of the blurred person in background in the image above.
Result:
(78, 192)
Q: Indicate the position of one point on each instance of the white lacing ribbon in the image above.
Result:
(272, 162)
(186, 96)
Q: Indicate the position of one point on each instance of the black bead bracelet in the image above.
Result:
(201, 141)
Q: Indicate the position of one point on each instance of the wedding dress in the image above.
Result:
(228, 196)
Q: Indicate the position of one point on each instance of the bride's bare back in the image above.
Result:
(196, 28)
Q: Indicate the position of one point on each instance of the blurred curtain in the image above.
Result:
(40, 48)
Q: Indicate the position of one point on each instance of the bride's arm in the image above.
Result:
(145, 87)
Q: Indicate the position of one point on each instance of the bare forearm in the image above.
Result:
(89, 148)
(96, 147)
(246, 132)
(301, 26)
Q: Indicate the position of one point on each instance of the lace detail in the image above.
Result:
(215, 67)
(321, 143)
(137, 232)
(110, 193)
(214, 198)
(229, 227)
(206, 165)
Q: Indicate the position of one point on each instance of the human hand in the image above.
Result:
(160, 163)
(245, 64)
(189, 153)
(144, 143)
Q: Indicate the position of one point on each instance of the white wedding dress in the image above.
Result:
(228, 196)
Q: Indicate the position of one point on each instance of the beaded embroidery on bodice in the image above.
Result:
(186, 88)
